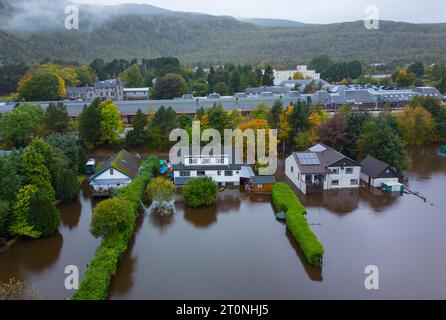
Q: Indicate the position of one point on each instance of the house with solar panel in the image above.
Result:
(322, 168)
(117, 172)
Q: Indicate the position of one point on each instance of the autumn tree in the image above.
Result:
(110, 123)
(417, 126)
(333, 132)
(132, 77)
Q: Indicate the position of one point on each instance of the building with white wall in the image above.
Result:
(375, 172)
(222, 168)
(322, 168)
(284, 75)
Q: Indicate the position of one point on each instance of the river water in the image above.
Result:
(237, 250)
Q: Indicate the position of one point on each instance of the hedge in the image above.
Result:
(101, 269)
(285, 200)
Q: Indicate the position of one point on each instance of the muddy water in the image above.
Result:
(237, 250)
(41, 263)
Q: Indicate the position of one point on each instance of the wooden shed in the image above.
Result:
(261, 184)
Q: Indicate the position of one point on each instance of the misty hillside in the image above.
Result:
(275, 22)
(128, 31)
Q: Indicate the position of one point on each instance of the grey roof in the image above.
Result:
(271, 89)
(124, 162)
(430, 91)
(78, 90)
(373, 167)
(263, 180)
(359, 96)
(327, 157)
(110, 83)
(322, 97)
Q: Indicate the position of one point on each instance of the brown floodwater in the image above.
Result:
(238, 250)
(41, 263)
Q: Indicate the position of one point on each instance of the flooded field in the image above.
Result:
(237, 249)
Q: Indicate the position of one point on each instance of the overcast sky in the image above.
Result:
(316, 11)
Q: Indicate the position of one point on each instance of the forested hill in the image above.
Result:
(204, 38)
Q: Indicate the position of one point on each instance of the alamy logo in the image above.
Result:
(371, 22)
(372, 280)
(72, 280)
(257, 142)
(72, 18)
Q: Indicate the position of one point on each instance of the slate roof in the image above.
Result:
(373, 167)
(327, 157)
(111, 83)
(124, 162)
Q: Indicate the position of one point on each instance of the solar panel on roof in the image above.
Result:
(308, 159)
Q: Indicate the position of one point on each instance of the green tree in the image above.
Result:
(11, 179)
(19, 225)
(138, 135)
(67, 186)
(169, 87)
(56, 117)
(110, 216)
(110, 124)
(66, 143)
(235, 81)
(160, 189)
(417, 126)
(132, 77)
(43, 86)
(354, 69)
(217, 118)
(221, 88)
(89, 123)
(29, 117)
(381, 140)
(274, 115)
(417, 68)
(85, 75)
(36, 173)
(43, 214)
(4, 218)
(355, 122)
(268, 76)
(200, 88)
(261, 112)
(320, 63)
(200, 192)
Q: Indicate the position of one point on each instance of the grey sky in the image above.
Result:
(319, 11)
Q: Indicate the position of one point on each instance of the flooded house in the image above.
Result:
(117, 172)
(378, 174)
(322, 168)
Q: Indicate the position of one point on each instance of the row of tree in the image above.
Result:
(43, 168)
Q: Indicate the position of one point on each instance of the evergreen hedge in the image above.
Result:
(285, 200)
(97, 278)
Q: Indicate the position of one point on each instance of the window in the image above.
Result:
(334, 170)
(292, 169)
(229, 173)
(206, 161)
(218, 173)
(260, 186)
(349, 170)
(354, 182)
(184, 173)
(201, 173)
(193, 161)
(112, 171)
(220, 161)
(335, 183)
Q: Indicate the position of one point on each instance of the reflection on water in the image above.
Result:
(42, 262)
(237, 250)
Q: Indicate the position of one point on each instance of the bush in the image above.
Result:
(160, 189)
(200, 192)
(110, 216)
(43, 214)
(285, 200)
(97, 278)
(67, 186)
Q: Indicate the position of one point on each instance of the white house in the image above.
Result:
(284, 75)
(375, 172)
(222, 168)
(116, 172)
(322, 168)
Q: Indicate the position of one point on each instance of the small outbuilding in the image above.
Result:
(377, 173)
(261, 184)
